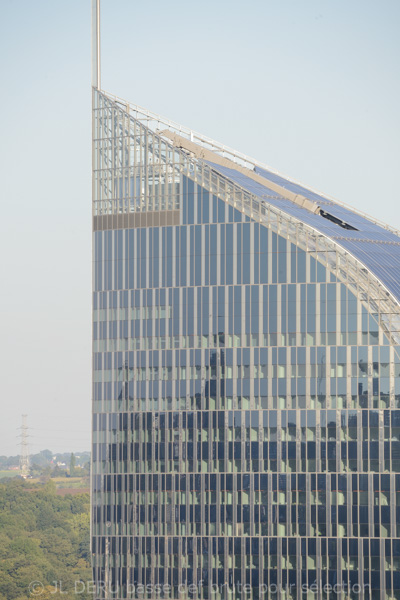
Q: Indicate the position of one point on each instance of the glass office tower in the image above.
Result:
(246, 395)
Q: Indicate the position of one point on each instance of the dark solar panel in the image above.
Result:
(374, 246)
(337, 210)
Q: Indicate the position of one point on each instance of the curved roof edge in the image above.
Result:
(265, 205)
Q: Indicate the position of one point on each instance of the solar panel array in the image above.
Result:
(377, 248)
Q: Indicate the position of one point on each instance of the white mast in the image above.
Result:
(96, 44)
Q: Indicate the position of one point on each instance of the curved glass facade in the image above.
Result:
(246, 395)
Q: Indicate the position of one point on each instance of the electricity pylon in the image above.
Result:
(24, 456)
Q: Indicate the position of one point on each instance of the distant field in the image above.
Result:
(72, 491)
(71, 482)
(67, 483)
(9, 474)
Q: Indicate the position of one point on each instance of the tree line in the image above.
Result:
(44, 538)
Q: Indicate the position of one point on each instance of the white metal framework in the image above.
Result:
(156, 123)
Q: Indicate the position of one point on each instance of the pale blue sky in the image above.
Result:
(311, 88)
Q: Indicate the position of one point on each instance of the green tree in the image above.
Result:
(44, 537)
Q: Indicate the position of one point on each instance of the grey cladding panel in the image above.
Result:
(162, 218)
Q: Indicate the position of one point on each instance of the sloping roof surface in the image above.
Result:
(377, 248)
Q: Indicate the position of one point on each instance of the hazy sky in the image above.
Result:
(311, 88)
